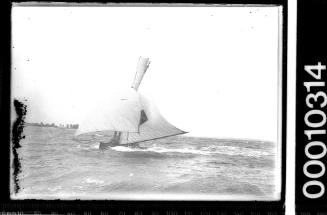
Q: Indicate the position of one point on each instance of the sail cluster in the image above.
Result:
(128, 112)
(131, 113)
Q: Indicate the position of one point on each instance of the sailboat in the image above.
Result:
(128, 117)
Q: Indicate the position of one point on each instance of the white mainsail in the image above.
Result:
(154, 127)
(130, 113)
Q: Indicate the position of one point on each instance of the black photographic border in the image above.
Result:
(130, 207)
(311, 49)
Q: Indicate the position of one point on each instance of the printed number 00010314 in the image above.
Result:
(316, 100)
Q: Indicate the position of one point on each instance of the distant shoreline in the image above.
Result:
(69, 126)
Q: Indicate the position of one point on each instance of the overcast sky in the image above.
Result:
(213, 72)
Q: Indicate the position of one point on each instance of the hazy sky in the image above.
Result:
(213, 72)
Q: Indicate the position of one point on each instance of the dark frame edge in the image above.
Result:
(78, 205)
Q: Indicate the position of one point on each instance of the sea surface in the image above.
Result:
(57, 166)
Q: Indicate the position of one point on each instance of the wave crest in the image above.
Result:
(210, 150)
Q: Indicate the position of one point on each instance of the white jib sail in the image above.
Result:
(117, 112)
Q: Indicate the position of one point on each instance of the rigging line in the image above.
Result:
(159, 137)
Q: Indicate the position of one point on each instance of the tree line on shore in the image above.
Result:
(41, 124)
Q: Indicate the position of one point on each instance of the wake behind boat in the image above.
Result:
(127, 117)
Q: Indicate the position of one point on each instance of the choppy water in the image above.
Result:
(54, 165)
